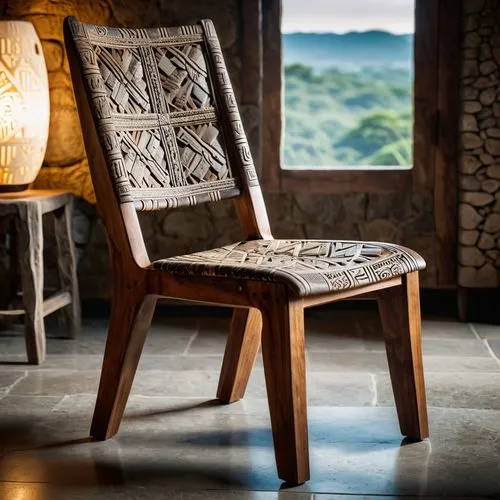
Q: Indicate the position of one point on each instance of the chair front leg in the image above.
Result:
(399, 309)
(239, 357)
(283, 352)
(131, 317)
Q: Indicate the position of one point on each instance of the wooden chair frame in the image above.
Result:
(265, 313)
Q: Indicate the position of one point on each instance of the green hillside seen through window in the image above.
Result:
(348, 100)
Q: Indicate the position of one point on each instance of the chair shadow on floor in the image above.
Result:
(31, 448)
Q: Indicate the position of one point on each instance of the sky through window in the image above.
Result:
(341, 16)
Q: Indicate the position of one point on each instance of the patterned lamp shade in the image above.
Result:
(24, 105)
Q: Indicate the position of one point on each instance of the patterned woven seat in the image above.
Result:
(308, 266)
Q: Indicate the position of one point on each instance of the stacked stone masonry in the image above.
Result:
(479, 186)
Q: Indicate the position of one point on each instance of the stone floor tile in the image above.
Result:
(176, 441)
(443, 329)
(20, 418)
(9, 378)
(376, 362)
(322, 389)
(446, 347)
(347, 389)
(147, 362)
(166, 336)
(73, 361)
(321, 342)
(180, 363)
(337, 390)
(57, 383)
(458, 364)
(342, 362)
(487, 331)
(495, 347)
(354, 451)
(451, 390)
(320, 496)
(42, 404)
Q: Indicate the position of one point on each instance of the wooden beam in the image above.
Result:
(55, 302)
(425, 91)
(271, 93)
(345, 181)
(446, 159)
(365, 292)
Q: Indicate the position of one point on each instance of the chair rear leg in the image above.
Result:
(129, 323)
(241, 350)
(399, 309)
(284, 365)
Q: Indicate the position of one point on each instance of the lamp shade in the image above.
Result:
(24, 105)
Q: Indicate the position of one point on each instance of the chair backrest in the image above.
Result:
(165, 117)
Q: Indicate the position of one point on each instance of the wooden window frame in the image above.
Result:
(428, 129)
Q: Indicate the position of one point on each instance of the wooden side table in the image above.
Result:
(27, 208)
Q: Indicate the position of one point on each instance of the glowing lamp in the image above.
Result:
(24, 105)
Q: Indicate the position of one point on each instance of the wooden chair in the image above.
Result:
(162, 130)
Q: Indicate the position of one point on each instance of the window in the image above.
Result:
(341, 80)
(348, 83)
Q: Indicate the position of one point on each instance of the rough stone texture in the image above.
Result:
(479, 211)
(472, 107)
(488, 275)
(470, 183)
(486, 242)
(477, 199)
(471, 141)
(490, 186)
(469, 217)
(470, 68)
(470, 164)
(488, 67)
(486, 159)
(471, 257)
(493, 171)
(468, 238)
(493, 147)
(487, 96)
(469, 123)
(492, 224)
(487, 123)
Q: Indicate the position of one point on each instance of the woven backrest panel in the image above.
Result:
(165, 112)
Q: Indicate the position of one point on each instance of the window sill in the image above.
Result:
(327, 180)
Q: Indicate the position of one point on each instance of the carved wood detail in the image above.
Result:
(167, 114)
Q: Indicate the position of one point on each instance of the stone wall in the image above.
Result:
(405, 217)
(479, 210)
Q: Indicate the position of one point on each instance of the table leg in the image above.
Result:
(69, 316)
(31, 262)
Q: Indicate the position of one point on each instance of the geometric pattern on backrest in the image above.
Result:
(166, 114)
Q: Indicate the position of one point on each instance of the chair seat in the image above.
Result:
(309, 267)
